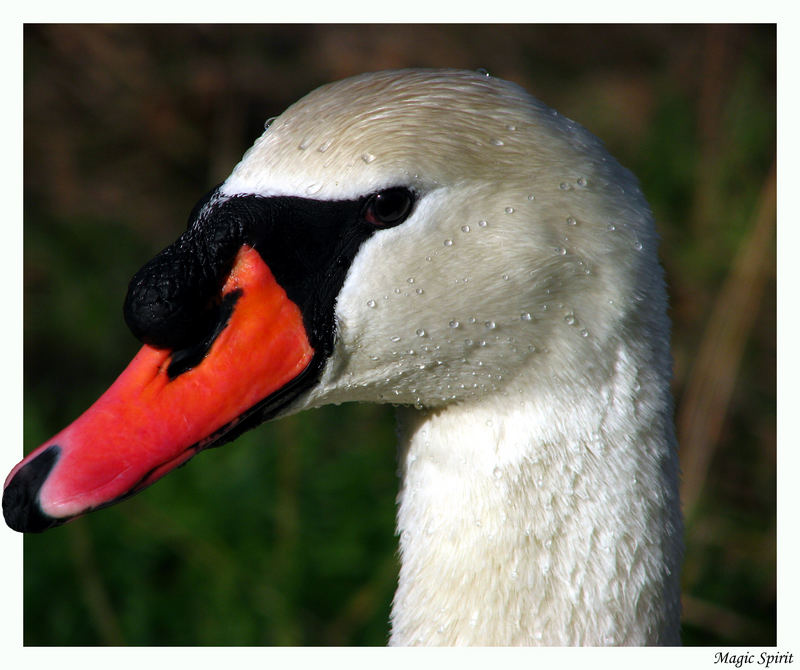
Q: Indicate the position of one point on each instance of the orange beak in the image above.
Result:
(150, 421)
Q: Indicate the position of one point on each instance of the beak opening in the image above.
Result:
(167, 405)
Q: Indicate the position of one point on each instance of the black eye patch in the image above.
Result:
(174, 301)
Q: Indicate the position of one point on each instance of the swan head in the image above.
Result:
(418, 237)
(525, 247)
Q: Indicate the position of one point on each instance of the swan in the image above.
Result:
(443, 241)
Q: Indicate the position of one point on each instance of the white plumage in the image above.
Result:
(520, 314)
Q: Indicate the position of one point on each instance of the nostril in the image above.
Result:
(188, 357)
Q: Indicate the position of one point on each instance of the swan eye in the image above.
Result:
(389, 207)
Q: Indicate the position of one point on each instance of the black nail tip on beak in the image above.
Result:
(21, 497)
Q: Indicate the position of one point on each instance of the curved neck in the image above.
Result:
(532, 518)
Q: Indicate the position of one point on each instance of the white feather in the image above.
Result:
(521, 313)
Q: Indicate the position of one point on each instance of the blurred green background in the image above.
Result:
(287, 536)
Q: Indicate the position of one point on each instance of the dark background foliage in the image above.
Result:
(286, 537)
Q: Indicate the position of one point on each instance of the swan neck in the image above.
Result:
(530, 518)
